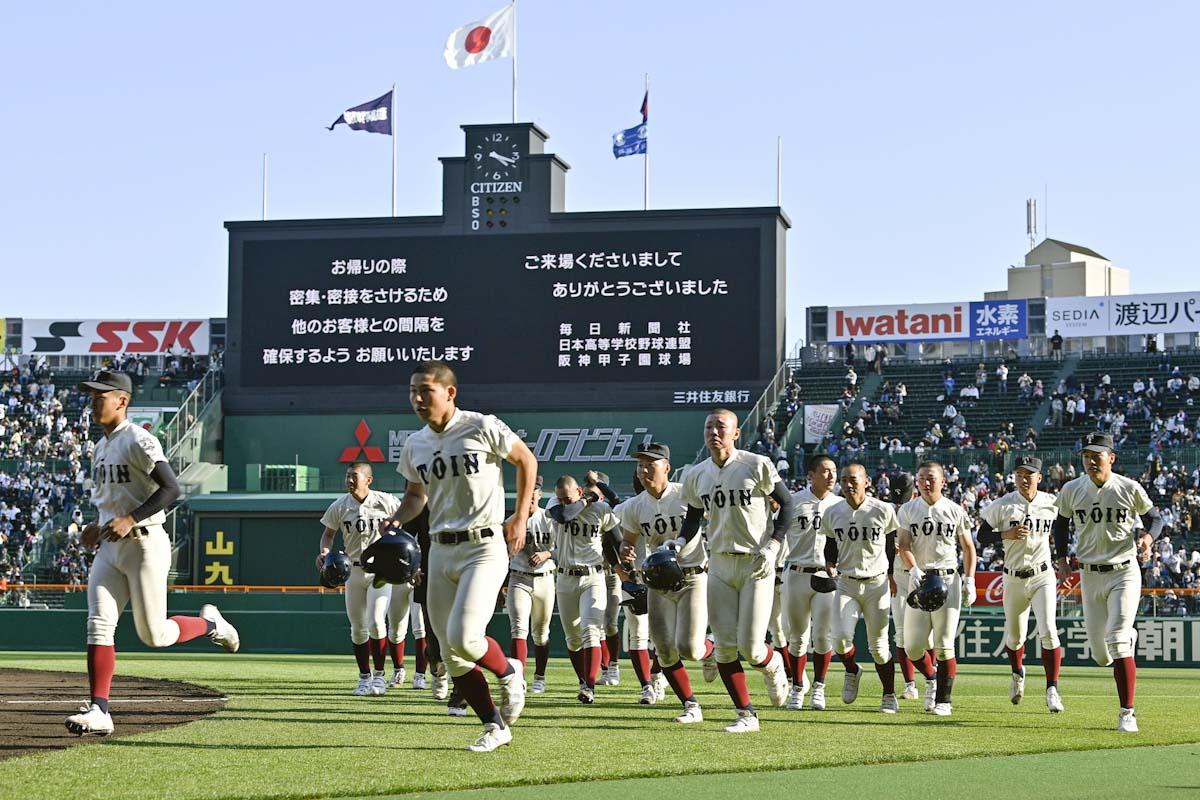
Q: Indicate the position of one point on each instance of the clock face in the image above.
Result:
(494, 157)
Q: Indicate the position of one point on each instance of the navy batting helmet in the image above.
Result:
(635, 597)
(661, 571)
(393, 558)
(336, 570)
(931, 595)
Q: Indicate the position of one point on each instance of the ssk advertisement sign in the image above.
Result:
(106, 337)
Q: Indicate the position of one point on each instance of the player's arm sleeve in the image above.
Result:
(831, 550)
(556, 513)
(1152, 522)
(1062, 535)
(608, 493)
(787, 510)
(691, 523)
(889, 547)
(162, 498)
(987, 534)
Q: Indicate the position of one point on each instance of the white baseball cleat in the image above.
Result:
(419, 681)
(942, 709)
(456, 711)
(440, 685)
(910, 691)
(746, 722)
(364, 686)
(691, 713)
(890, 704)
(1016, 688)
(795, 699)
(818, 696)
(850, 686)
(1053, 701)
(91, 721)
(614, 674)
(512, 693)
(776, 680)
(493, 736)
(223, 634)
(660, 686)
(1126, 721)
(649, 695)
(379, 684)
(930, 694)
(587, 695)
(539, 685)
(398, 676)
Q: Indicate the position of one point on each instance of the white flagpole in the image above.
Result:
(779, 171)
(514, 74)
(646, 158)
(392, 124)
(264, 189)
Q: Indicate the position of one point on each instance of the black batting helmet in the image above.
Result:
(635, 597)
(661, 571)
(930, 595)
(336, 570)
(821, 582)
(393, 558)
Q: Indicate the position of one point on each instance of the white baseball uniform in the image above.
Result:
(677, 620)
(934, 530)
(581, 587)
(1029, 580)
(531, 588)
(132, 569)
(461, 469)
(735, 500)
(360, 525)
(1106, 518)
(860, 535)
(807, 611)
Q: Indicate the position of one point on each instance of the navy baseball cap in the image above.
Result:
(655, 450)
(106, 381)
(1031, 463)
(1098, 442)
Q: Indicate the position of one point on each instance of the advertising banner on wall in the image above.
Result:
(108, 337)
(929, 322)
(1125, 315)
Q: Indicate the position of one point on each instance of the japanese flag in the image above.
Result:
(474, 43)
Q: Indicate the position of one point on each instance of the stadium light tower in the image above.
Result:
(1031, 220)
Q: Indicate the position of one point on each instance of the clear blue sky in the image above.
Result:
(913, 132)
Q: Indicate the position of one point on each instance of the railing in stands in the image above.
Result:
(176, 433)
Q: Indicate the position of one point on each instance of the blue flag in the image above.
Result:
(373, 117)
(630, 142)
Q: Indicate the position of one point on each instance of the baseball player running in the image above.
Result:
(1022, 521)
(580, 520)
(455, 465)
(531, 591)
(731, 488)
(856, 541)
(903, 489)
(596, 484)
(361, 515)
(930, 528)
(1106, 508)
(134, 486)
(807, 613)
(677, 620)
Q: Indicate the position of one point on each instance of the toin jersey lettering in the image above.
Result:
(455, 466)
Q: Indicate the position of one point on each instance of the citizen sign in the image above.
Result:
(111, 337)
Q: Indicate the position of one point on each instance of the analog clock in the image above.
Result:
(494, 156)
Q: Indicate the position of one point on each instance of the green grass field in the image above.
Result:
(291, 729)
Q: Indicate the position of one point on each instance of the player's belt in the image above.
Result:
(1106, 567)
(459, 537)
(948, 571)
(1027, 573)
(867, 578)
(579, 572)
(529, 574)
(805, 570)
(694, 570)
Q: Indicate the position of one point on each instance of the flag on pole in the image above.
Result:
(476, 42)
(632, 141)
(373, 117)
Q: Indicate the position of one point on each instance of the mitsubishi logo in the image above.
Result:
(362, 432)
